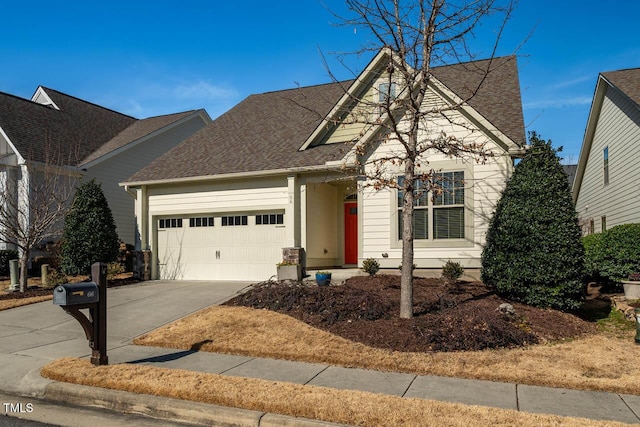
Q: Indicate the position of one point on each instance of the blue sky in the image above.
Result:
(149, 58)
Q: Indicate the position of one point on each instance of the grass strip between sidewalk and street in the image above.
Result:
(340, 406)
(19, 302)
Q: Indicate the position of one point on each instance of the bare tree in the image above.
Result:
(417, 36)
(34, 198)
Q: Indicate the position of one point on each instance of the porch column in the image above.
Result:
(292, 213)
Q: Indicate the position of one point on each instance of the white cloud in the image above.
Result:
(203, 90)
(572, 82)
(559, 102)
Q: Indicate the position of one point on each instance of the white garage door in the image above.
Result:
(230, 247)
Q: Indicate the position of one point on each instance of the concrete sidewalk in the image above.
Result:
(34, 335)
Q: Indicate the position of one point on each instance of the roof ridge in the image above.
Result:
(87, 102)
(27, 100)
(622, 69)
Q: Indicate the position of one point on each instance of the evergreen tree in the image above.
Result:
(89, 231)
(534, 253)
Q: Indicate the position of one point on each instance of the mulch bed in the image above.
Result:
(457, 317)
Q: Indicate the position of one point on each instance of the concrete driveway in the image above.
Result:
(33, 335)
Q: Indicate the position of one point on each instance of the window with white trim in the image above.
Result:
(439, 212)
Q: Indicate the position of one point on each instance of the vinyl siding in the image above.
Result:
(484, 184)
(119, 167)
(225, 197)
(617, 127)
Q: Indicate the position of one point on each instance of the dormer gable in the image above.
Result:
(359, 115)
(41, 97)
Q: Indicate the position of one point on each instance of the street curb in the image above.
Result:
(168, 409)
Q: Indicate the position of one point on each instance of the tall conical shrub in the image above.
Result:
(89, 231)
(533, 252)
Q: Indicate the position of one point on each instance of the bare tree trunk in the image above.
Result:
(406, 278)
(24, 262)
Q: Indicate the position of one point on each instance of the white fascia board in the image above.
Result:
(41, 92)
(13, 147)
(198, 113)
(594, 114)
(361, 80)
(329, 166)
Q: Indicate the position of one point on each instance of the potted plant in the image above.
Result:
(632, 286)
(289, 271)
(323, 278)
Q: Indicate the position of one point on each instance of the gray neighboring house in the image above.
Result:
(606, 189)
(88, 140)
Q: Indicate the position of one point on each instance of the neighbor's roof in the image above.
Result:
(264, 132)
(75, 134)
(627, 81)
(137, 130)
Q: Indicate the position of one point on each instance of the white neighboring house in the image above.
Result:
(277, 171)
(606, 188)
(86, 140)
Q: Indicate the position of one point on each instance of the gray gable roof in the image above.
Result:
(627, 81)
(137, 130)
(264, 132)
(496, 97)
(76, 133)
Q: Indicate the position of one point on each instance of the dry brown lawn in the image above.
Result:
(341, 406)
(602, 362)
(13, 303)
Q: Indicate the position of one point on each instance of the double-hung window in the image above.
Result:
(439, 211)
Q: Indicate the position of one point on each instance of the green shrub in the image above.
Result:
(6, 256)
(89, 231)
(452, 271)
(370, 266)
(534, 252)
(611, 256)
(591, 245)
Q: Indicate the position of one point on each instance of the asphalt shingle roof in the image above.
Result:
(77, 133)
(137, 130)
(265, 132)
(628, 81)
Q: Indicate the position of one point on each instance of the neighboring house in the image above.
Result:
(570, 170)
(606, 189)
(277, 171)
(87, 141)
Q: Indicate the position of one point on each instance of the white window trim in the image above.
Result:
(431, 242)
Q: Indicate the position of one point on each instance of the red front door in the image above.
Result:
(350, 233)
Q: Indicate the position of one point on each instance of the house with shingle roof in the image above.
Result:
(87, 141)
(277, 171)
(606, 190)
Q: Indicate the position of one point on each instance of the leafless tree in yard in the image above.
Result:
(34, 199)
(418, 36)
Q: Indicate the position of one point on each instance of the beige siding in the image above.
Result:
(618, 127)
(484, 183)
(224, 197)
(119, 167)
(248, 252)
(322, 225)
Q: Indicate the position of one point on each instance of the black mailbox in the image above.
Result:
(75, 294)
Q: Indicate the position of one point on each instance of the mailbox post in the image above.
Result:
(93, 296)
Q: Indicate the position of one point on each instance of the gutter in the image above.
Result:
(329, 166)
